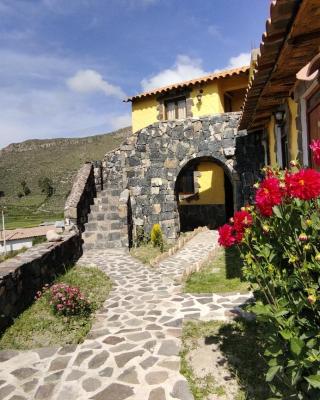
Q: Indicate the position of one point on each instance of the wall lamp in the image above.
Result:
(199, 95)
(279, 116)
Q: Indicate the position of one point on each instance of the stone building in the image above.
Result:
(185, 165)
(197, 146)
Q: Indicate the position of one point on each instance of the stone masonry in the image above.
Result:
(148, 164)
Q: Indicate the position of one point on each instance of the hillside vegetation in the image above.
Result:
(57, 159)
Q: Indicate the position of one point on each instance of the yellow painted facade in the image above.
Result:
(210, 102)
(293, 132)
(271, 131)
(211, 182)
(144, 113)
(145, 110)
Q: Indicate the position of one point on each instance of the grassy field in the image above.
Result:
(220, 275)
(57, 159)
(38, 326)
(240, 344)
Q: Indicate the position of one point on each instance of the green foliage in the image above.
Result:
(38, 326)
(38, 240)
(25, 188)
(46, 186)
(281, 256)
(141, 238)
(156, 236)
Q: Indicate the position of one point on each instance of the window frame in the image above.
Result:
(174, 100)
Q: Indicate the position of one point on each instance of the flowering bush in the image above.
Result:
(280, 244)
(65, 299)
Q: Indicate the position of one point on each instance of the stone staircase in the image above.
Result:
(107, 225)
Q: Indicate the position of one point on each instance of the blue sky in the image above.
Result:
(65, 65)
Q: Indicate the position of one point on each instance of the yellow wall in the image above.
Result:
(272, 140)
(293, 133)
(144, 111)
(211, 102)
(211, 184)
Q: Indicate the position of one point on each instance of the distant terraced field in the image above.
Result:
(57, 159)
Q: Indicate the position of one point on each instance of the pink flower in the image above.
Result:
(304, 185)
(269, 195)
(315, 147)
(226, 236)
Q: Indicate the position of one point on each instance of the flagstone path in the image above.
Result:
(132, 351)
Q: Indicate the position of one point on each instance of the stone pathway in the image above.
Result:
(132, 351)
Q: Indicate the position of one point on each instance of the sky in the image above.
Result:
(66, 65)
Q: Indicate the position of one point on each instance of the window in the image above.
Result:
(227, 102)
(176, 109)
(185, 183)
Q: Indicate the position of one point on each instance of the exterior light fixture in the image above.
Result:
(199, 95)
(279, 116)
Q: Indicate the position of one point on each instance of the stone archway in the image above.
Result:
(204, 194)
(149, 163)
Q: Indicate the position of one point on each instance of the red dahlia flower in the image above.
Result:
(315, 147)
(304, 185)
(226, 237)
(268, 195)
(242, 219)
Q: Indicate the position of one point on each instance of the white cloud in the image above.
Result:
(35, 102)
(121, 121)
(88, 81)
(184, 68)
(238, 61)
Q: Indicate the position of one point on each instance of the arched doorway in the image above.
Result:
(204, 194)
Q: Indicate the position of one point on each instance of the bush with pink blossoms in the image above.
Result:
(65, 299)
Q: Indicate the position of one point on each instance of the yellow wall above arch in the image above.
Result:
(211, 185)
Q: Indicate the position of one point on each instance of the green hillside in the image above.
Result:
(57, 159)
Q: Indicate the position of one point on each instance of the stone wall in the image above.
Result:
(22, 276)
(149, 162)
(81, 196)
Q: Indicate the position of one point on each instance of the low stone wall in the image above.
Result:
(81, 196)
(22, 276)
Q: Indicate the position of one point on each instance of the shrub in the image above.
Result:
(280, 245)
(65, 299)
(141, 238)
(157, 237)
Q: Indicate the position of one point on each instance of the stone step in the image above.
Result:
(112, 192)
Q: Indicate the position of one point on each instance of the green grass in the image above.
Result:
(38, 326)
(58, 159)
(146, 252)
(241, 344)
(227, 278)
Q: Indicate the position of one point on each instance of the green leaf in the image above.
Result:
(314, 381)
(277, 212)
(286, 334)
(272, 372)
(296, 346)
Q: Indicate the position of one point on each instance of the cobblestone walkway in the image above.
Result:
(132, 350)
